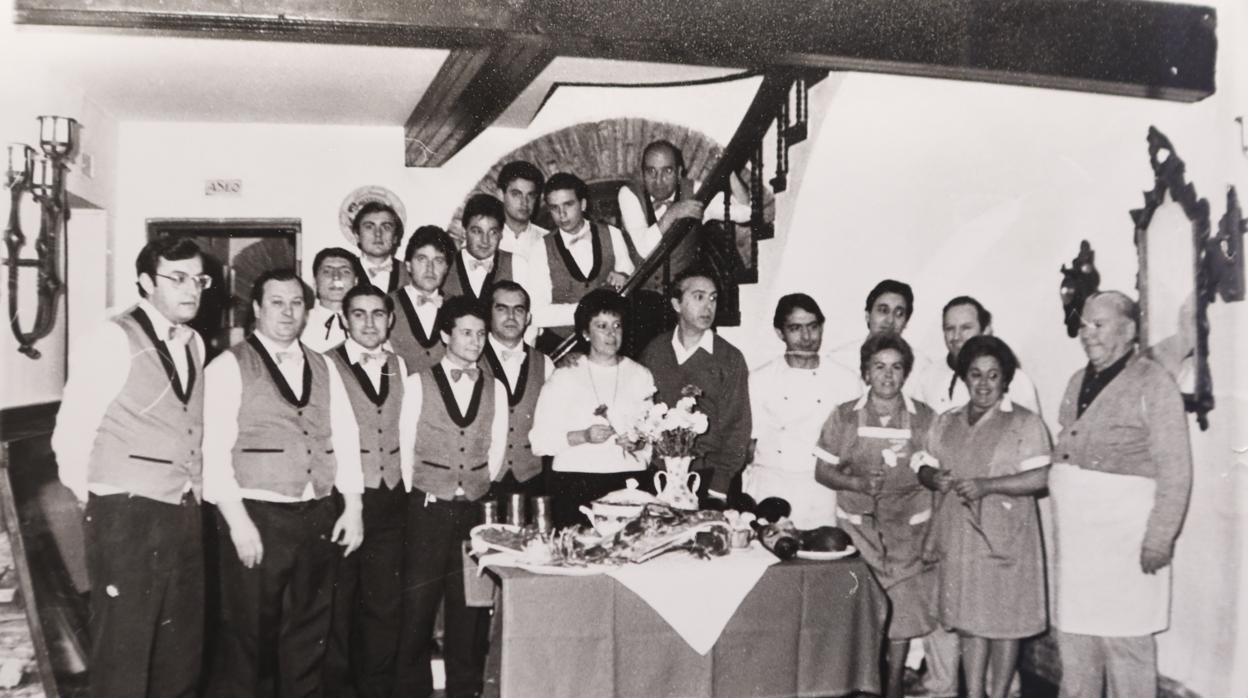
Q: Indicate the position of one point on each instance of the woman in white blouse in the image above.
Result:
(583, 407)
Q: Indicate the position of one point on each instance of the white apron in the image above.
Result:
(813, 504)
(1099, 521)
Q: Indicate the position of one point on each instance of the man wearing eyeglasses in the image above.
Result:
(378, 230)
(128, 444)
(336, 271)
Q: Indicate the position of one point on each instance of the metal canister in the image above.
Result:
(489, 512)
(542, 516)
(515, 510)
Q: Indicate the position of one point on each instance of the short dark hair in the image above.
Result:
(987, 345)
(985, 317)
(795, 301)
(430, 236)
(374, 207)
(340, 253)
(282, 274)
(512, 286)
(520, 169)
(362, 290)
(677, 155)
(566, 180)
(892, 286)
(877, 343)
(456, 307)
(674, 289)
(166, 247)
(597, 302)
(482, 205)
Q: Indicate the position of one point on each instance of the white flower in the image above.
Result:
(699, 423)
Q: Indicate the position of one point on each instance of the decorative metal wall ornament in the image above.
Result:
(1226, 251)
(1079, 280)
(43, 177)
(1186, 352)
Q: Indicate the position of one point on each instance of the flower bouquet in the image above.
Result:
(671, 431)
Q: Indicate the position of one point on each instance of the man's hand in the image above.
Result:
(616, 280)
(688, 208)
(349, 528)
(247, 541)
(598, 433)
(934, 479)
(1152, 560)
(872, 484)
(971, 489)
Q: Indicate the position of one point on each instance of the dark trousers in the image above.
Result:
(275, 616)
(508, 485)
(146, 565)
(433, 576)
(569, 491)
(368, 602)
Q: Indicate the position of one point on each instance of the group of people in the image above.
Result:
(348, 442)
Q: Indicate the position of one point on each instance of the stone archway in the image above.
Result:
(605, 154)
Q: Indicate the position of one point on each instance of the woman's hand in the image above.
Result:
(598, 433)
(871, 484)
(937, 480)
(971, 489)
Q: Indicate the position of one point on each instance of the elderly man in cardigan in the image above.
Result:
(1120, 482)
(692, 354)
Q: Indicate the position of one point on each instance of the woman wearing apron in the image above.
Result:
(990, 459)
(864, 452)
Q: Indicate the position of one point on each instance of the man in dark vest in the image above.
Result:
(415, 334)
(368, 591)
(279, 435)
(127, 442)
(573, 260)
(523, 371)
(480, 264)
(453, 431)
(378, 230)
(692, 354)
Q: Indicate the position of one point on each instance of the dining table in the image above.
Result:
(806, 628)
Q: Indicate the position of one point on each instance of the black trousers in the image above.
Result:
(569, 491)
(275, 616)
(368, 602)
(433, 576)
(508, 485)
(146, 565)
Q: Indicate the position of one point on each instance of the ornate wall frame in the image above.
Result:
(1185, 352)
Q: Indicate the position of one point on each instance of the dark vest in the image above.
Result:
(452, 449)
(521, 404)
(685, 254)
(567, 283)
(457, 283)
(377, 414)
(420, 347)
(149, 440)
(283, 438)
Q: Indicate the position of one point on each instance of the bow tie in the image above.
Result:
(423, 298)
(288, 355)
(367, 356)
(574, 239)
(179, 335)
(471, 373)
(481, 265)
(511, 355)
(375, 269)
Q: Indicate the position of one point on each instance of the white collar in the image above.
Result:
(448, 364)
(707, 342)
(412, 292)
(354, 349)
(468, 257)
(271, 346)
(862, 401)
(323, 311)
(583, 229)
(499, 347)
(529, 229)
(160, 323)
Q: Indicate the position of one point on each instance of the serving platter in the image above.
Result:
(826, 554)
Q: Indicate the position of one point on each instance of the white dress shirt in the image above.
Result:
(98, 371)
(547, 313)
(477, 270)
(325, 329)
(379, 274)
(222, 401)
(934, 383)
(409, 418)
(427, 312)
(568, 403)
(513, 359)
(706, 341)
(375, 363)
(647, 236)
(521, 244)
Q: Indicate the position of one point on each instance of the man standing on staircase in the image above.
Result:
(521, 185)
(693, 355)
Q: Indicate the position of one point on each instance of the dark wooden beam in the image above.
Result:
(472, 88)
(1125, 47)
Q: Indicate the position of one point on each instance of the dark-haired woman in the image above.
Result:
(992, 458)
(864, 452)
(584, 406)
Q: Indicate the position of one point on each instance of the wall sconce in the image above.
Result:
(1243, 145)
(43, 176)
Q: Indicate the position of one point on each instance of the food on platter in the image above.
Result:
(660, 528)
(825, 539)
